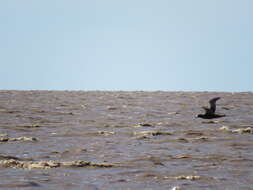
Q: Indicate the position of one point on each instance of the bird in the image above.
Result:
(210, 112)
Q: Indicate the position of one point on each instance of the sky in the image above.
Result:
(168, 45)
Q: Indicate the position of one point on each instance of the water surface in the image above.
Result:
(153, 137)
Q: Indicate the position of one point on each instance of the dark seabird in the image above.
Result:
(210, 112)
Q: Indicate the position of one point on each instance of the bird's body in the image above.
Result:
(210, 116)
(210, 112)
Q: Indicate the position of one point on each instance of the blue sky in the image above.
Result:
(182, 45)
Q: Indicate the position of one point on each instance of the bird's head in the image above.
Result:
(199, 115)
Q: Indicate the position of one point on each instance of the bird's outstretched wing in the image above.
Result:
(213, 104)
(207, 110)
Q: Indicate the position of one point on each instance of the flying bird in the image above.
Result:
(210, 112)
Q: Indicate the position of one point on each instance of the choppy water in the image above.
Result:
(107, 127)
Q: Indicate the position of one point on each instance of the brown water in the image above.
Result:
(107, 127)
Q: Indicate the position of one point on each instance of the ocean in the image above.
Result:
(98, 140)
